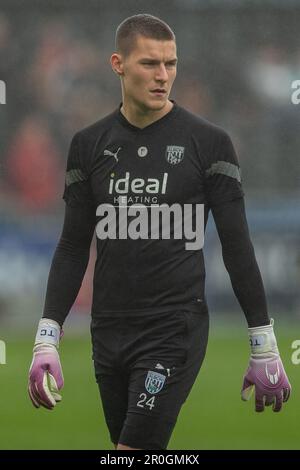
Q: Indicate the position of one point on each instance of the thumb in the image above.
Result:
(247, 389)
(53, 388)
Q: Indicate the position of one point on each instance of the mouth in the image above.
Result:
(159, 92)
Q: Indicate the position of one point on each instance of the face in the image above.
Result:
(147, 73)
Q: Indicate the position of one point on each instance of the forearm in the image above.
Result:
(247, 283)
(65, 278)
(69, 262)
(240, 262)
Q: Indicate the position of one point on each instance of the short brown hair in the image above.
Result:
(145, 25)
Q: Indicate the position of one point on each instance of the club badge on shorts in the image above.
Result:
(154, 382)
(174, 154)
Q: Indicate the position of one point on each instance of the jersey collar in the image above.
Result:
(154, 125)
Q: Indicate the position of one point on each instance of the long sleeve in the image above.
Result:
(240, 262)
(69, 262)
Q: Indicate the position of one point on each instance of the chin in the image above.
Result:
(156, 105)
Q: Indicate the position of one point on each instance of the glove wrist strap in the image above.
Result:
(49, 332)
(262, 339)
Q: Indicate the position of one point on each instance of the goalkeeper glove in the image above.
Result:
(45, 374)
(265, 372)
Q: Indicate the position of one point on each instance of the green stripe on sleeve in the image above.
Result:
(225, 168)
(74, 176)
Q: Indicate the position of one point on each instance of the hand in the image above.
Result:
(265, 373)
(45, 374)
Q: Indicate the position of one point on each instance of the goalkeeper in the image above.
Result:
(149, 314)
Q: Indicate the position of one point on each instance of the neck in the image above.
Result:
(141, 118)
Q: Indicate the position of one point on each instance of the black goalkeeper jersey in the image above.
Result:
(178, 159)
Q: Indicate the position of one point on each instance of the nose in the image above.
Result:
(161, 73)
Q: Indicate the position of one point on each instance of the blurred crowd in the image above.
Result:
(236, 67)
(58, 78)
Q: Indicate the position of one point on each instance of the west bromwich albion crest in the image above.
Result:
(174, 154)
(154, 382)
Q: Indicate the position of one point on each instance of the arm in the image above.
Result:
(240, 262)
(69, 262)
(66, 274)
(265, 372)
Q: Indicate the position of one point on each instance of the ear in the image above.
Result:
(117, 63)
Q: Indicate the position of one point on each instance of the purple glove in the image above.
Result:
(265, 372)
(45, 374)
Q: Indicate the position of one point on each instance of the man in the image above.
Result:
(149, 315)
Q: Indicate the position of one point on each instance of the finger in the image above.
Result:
(37, 398)
(57, 397)
(35, 394)
(57, 377)
(46, 388)
(286, 394)
(43, 393)
(278, 402)
(259, 402)
(32, 397)
(269, 400)
(41, 402)
(54, 388)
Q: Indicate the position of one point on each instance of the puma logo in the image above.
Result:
(112, 154)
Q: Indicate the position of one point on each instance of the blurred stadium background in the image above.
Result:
(237, 60)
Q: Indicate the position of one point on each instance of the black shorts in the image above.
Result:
(145, 368)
